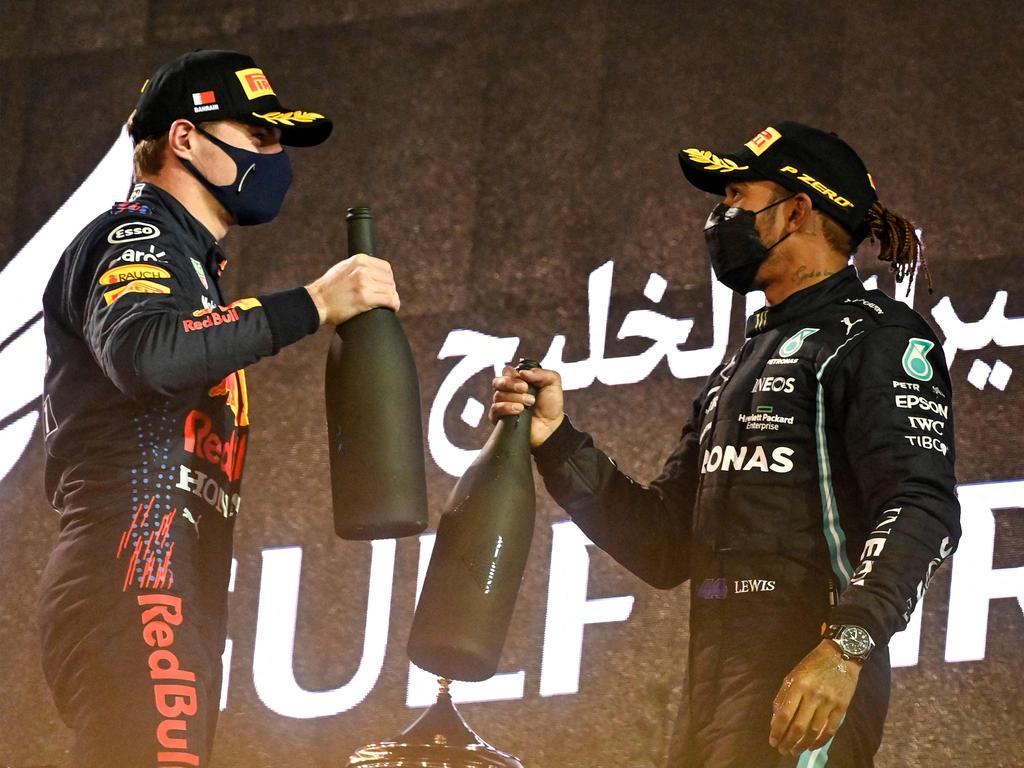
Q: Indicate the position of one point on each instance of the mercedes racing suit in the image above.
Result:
(146, 426)
(813, 482)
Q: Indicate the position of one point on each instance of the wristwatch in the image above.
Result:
(854, 642)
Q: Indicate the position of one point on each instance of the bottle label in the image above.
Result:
(484, 563)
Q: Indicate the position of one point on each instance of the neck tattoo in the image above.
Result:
(803, 274)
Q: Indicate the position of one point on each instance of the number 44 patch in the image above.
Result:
(915, 362)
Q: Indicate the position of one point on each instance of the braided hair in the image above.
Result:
(899, 243)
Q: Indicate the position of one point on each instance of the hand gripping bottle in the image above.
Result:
(375, 434)
(479, 557)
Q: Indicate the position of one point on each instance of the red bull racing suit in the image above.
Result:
(813, 483)
(146, 426)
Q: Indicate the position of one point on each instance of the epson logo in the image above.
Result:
(730, 457)
(774, 384)
(921, 403)
(132, 230)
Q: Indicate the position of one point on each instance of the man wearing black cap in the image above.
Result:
(811, 495)
(146, 409)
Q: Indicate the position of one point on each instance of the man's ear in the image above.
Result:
(800, 212)
(180, 137)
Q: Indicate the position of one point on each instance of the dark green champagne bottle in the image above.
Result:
(479, 556)
(375, 433)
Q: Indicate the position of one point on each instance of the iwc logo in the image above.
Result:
(914, 361)
(792, 345)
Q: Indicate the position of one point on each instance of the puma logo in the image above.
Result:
(187, 514)
(850, 323)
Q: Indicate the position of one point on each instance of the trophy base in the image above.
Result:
(439, 738)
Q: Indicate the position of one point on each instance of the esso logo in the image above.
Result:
(132, 230)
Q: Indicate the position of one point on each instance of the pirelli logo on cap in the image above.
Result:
(816, 185)
(254, 83)
(763, 140)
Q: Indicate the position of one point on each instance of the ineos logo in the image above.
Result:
(132, 230)
(774, 384)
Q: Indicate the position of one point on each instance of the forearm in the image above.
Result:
(165, 351)
(912, 538)
(645, 529)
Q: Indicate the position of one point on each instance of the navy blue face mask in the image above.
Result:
(260, 185)
(735, 246)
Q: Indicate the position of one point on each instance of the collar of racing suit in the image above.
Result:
(842, 283)
(187, 225)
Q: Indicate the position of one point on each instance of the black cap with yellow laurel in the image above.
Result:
(203, 86)
(801, 159)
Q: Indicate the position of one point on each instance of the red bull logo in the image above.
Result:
(174, 690)
(234, 389)
(211, 317)
(204, 442)
(202, 439)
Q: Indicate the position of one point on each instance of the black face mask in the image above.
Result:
(735, 246)
(261, 182)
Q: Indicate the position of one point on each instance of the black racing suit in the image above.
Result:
(813, 483)
(146, 418)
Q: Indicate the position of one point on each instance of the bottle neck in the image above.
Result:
(513, 432)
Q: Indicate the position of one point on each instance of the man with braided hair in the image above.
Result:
(811, 495)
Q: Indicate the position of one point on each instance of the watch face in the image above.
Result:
(854, 641)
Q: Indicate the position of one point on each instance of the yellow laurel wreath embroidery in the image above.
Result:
(290, 118)
(713, 162)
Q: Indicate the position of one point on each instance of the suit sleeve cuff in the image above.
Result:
(560, 445)
(291, 314)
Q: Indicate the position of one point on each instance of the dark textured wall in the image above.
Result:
(510, 148)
